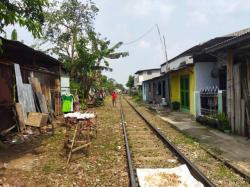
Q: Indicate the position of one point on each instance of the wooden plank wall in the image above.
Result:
(240, 101)
(230, 90)
(237, 98)
(247, 107)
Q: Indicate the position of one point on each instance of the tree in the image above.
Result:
(92, 57)
(14, 35)
(66, 23)
(28, 13)
(120, 86)
(84, 52)
(130, 82)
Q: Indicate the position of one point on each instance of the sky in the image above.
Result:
(184, 23)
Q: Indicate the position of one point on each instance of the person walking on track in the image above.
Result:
(114, 97)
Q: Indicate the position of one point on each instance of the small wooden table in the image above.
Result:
(84, 126)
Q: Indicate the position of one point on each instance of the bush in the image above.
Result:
(175, 105)
(137, 97)
(219, 121)
(223, 121)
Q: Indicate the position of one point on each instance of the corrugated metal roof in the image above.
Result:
(11, 44)
(199, 49)
(229, 43)
(239, 33)
(215, 42)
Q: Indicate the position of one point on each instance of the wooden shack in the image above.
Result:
(32, 63)
(235, 53)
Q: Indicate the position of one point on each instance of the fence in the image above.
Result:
(212, 101)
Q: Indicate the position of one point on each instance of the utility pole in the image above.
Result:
(165, 48)
(163, 44)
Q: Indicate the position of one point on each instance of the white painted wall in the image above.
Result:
(143, 76)
(164, 68)
(136, 80)
(203, 75)
(175, 64)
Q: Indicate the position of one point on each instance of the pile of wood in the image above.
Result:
(32, 108)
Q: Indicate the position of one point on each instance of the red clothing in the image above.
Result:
(114, 96)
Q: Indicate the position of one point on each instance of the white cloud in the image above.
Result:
(218, 7)
(179, 47)
(202, 12)
(142, 8)
(198, 17)
(144, 44)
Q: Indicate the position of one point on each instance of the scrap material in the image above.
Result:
(42, 102)
(35, 84)
(37, 119)
(24, 93)
(39, 94)
(178, 177)
(28, 98)
(19, 85)
(20, 116)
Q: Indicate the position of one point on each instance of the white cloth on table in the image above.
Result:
(79, 115)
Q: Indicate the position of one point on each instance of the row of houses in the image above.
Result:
(33, 63)
(211, 77)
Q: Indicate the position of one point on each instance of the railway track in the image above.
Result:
(147, 147)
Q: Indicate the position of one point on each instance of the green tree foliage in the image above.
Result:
(120, 87)
(66, 23)
(92, 57)
(130, 82)
(107, 84)
(14, 35)
(28, 13)
(69, 27)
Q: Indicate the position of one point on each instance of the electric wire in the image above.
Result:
(163, 47)
(140, 37)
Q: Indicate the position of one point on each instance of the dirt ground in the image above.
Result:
(41, 161)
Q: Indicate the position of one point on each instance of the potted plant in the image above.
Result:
(175, 105)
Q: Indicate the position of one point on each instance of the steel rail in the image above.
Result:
(193, 169)
(132, 175)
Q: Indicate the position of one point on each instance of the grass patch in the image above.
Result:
(184, 140)
(137, 97)
(49, 168)
(59, 135)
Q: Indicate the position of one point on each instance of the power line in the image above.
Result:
(142, 36)
(163, 45)
(165, 48)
